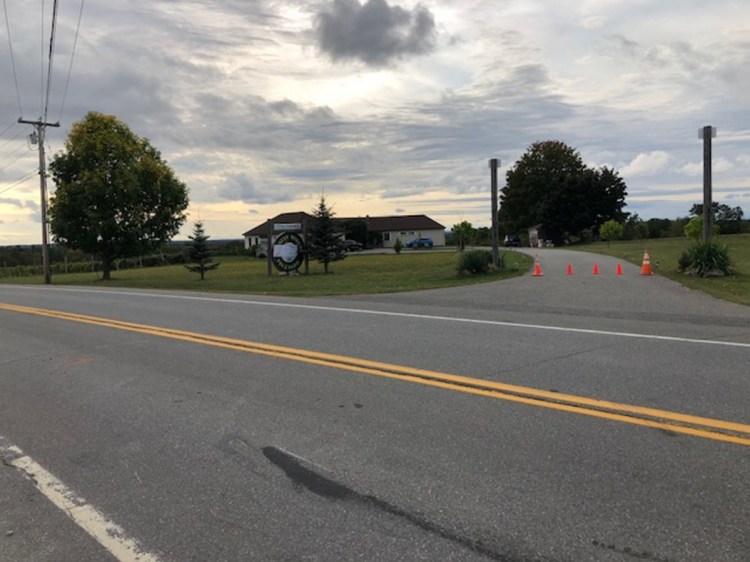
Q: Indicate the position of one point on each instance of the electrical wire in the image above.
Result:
(9, 164)
(72, 56)
(41, 60)
(20, 181)
(51, 58)
(18, 134)
(12, 58)
(8, 128)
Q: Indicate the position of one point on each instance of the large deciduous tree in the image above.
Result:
(550, 186)
(115, 195)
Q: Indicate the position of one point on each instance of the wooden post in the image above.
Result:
(707, 133)
(269, 247)
(494, 163)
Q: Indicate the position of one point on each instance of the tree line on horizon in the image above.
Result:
(117, 202)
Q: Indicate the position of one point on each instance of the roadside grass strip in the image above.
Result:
(707, 428)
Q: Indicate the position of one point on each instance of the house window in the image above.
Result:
(403, 233)
(386, 237)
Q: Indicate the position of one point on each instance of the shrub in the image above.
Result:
(474, 261)
(706, 258)
(398, 246)
(611, 230)
(694, 228)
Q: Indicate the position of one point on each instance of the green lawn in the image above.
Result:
(665, 252)
(357, 274)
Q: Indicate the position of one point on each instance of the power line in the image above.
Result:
(8, 128)
(51, 57)
(15, 159)
(20, 181)
(41, 66)
(6, 143)
(12, 58)
(72, 55)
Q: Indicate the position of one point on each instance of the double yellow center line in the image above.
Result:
(707, 428)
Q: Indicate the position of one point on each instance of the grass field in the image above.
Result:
(665, 252)
(388, 273)
(357, 274)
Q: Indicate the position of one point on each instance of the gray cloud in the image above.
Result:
(374, 33)
(21, 204)
(242, 187)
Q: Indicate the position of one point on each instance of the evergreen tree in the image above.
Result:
(199, 253)
(325, 243)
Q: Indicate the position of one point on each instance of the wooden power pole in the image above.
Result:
(40, 129)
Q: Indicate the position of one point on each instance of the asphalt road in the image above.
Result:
(193, 444)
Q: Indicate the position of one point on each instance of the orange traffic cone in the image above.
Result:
(618, 270)
(570, 269)
(596, 269)
(537, 268)
(646, 267)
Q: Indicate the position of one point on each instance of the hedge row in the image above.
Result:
(93, 266)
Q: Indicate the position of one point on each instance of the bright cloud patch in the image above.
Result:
(647, 164)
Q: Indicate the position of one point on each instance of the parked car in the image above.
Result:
(512, 240)
(353, 246)
(419, 243)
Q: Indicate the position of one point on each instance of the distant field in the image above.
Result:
(665, 252)
(357, 274)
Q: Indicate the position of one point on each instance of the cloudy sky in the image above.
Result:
(388, 106)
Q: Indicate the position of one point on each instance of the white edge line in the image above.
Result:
(410, 315)
(110, 535)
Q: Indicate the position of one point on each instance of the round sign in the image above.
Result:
(288, 252)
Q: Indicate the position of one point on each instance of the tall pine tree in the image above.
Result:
(199, 253)
(326, 244)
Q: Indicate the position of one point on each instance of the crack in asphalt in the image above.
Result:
(327, 488)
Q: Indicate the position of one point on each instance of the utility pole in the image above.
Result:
(40, 129)
(707, 133)
(494, 163)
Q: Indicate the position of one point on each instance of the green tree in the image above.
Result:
(199, 253)
(611, 230)
(326, 244)
(115, 195)
(729, 219)
(694, 228)
(463, 233)
(550, 186)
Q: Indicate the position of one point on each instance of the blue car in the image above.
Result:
(419, 243)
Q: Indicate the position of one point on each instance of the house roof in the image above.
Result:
(402, 222)
(262, 228)
(375, 224)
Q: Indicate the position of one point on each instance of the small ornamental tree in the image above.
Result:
(463, 233)
(199, 253)
(326, 244)
(694, 228)
(611, 230)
